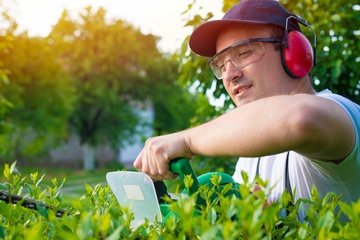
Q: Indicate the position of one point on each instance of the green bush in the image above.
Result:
(224, 217)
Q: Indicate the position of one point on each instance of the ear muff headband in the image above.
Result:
(297, 55)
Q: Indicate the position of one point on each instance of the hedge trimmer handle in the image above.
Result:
(182, 167)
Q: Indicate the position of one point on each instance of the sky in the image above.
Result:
(158, 17)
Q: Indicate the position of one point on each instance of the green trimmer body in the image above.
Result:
(183, 168)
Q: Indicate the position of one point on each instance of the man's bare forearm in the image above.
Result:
(273, 125)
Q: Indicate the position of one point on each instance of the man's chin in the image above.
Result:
(240, 102)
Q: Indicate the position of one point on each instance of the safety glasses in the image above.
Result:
(240, 55)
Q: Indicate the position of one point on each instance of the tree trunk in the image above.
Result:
(89, 158)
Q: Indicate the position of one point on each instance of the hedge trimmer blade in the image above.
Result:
(28, 203)
(135, 190)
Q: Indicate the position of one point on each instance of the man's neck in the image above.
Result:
(304, 86)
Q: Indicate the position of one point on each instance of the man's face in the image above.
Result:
(261, 78)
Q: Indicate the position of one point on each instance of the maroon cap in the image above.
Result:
(203, 39)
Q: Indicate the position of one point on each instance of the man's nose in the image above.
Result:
(232, 72)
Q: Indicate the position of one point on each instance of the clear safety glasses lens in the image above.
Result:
(239, 55)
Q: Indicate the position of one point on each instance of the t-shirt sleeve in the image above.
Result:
(350, 167)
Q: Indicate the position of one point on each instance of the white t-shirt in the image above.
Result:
(304, 173)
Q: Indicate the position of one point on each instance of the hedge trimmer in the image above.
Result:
(28, 203)
(137, 191)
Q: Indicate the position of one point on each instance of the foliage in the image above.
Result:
(35, 94)
(337, 27)
(92, 77)
(173, 104)
(118, 72)
(107, 72)
(42, 99)
(338, 48)
(223, 217)
(203, 164)
(5, 105)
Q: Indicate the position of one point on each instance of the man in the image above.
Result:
(281, 128)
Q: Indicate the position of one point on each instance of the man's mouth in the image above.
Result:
(238, 90)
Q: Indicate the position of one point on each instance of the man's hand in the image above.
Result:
(257, 188)
(157, 153)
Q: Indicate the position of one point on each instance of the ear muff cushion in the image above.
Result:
(298, 57)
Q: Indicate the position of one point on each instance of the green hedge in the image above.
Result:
(222, 218)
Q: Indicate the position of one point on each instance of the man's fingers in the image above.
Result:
(157, 170)
(138, 161)
(256, 188)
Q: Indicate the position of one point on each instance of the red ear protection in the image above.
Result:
(297, 54)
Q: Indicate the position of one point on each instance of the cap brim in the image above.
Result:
(203, 40)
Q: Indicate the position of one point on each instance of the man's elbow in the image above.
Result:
(307, 126)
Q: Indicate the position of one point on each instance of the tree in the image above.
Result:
(91, 76)
(174, 105)
(115, 69)
(39, 93)
(5, 105)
